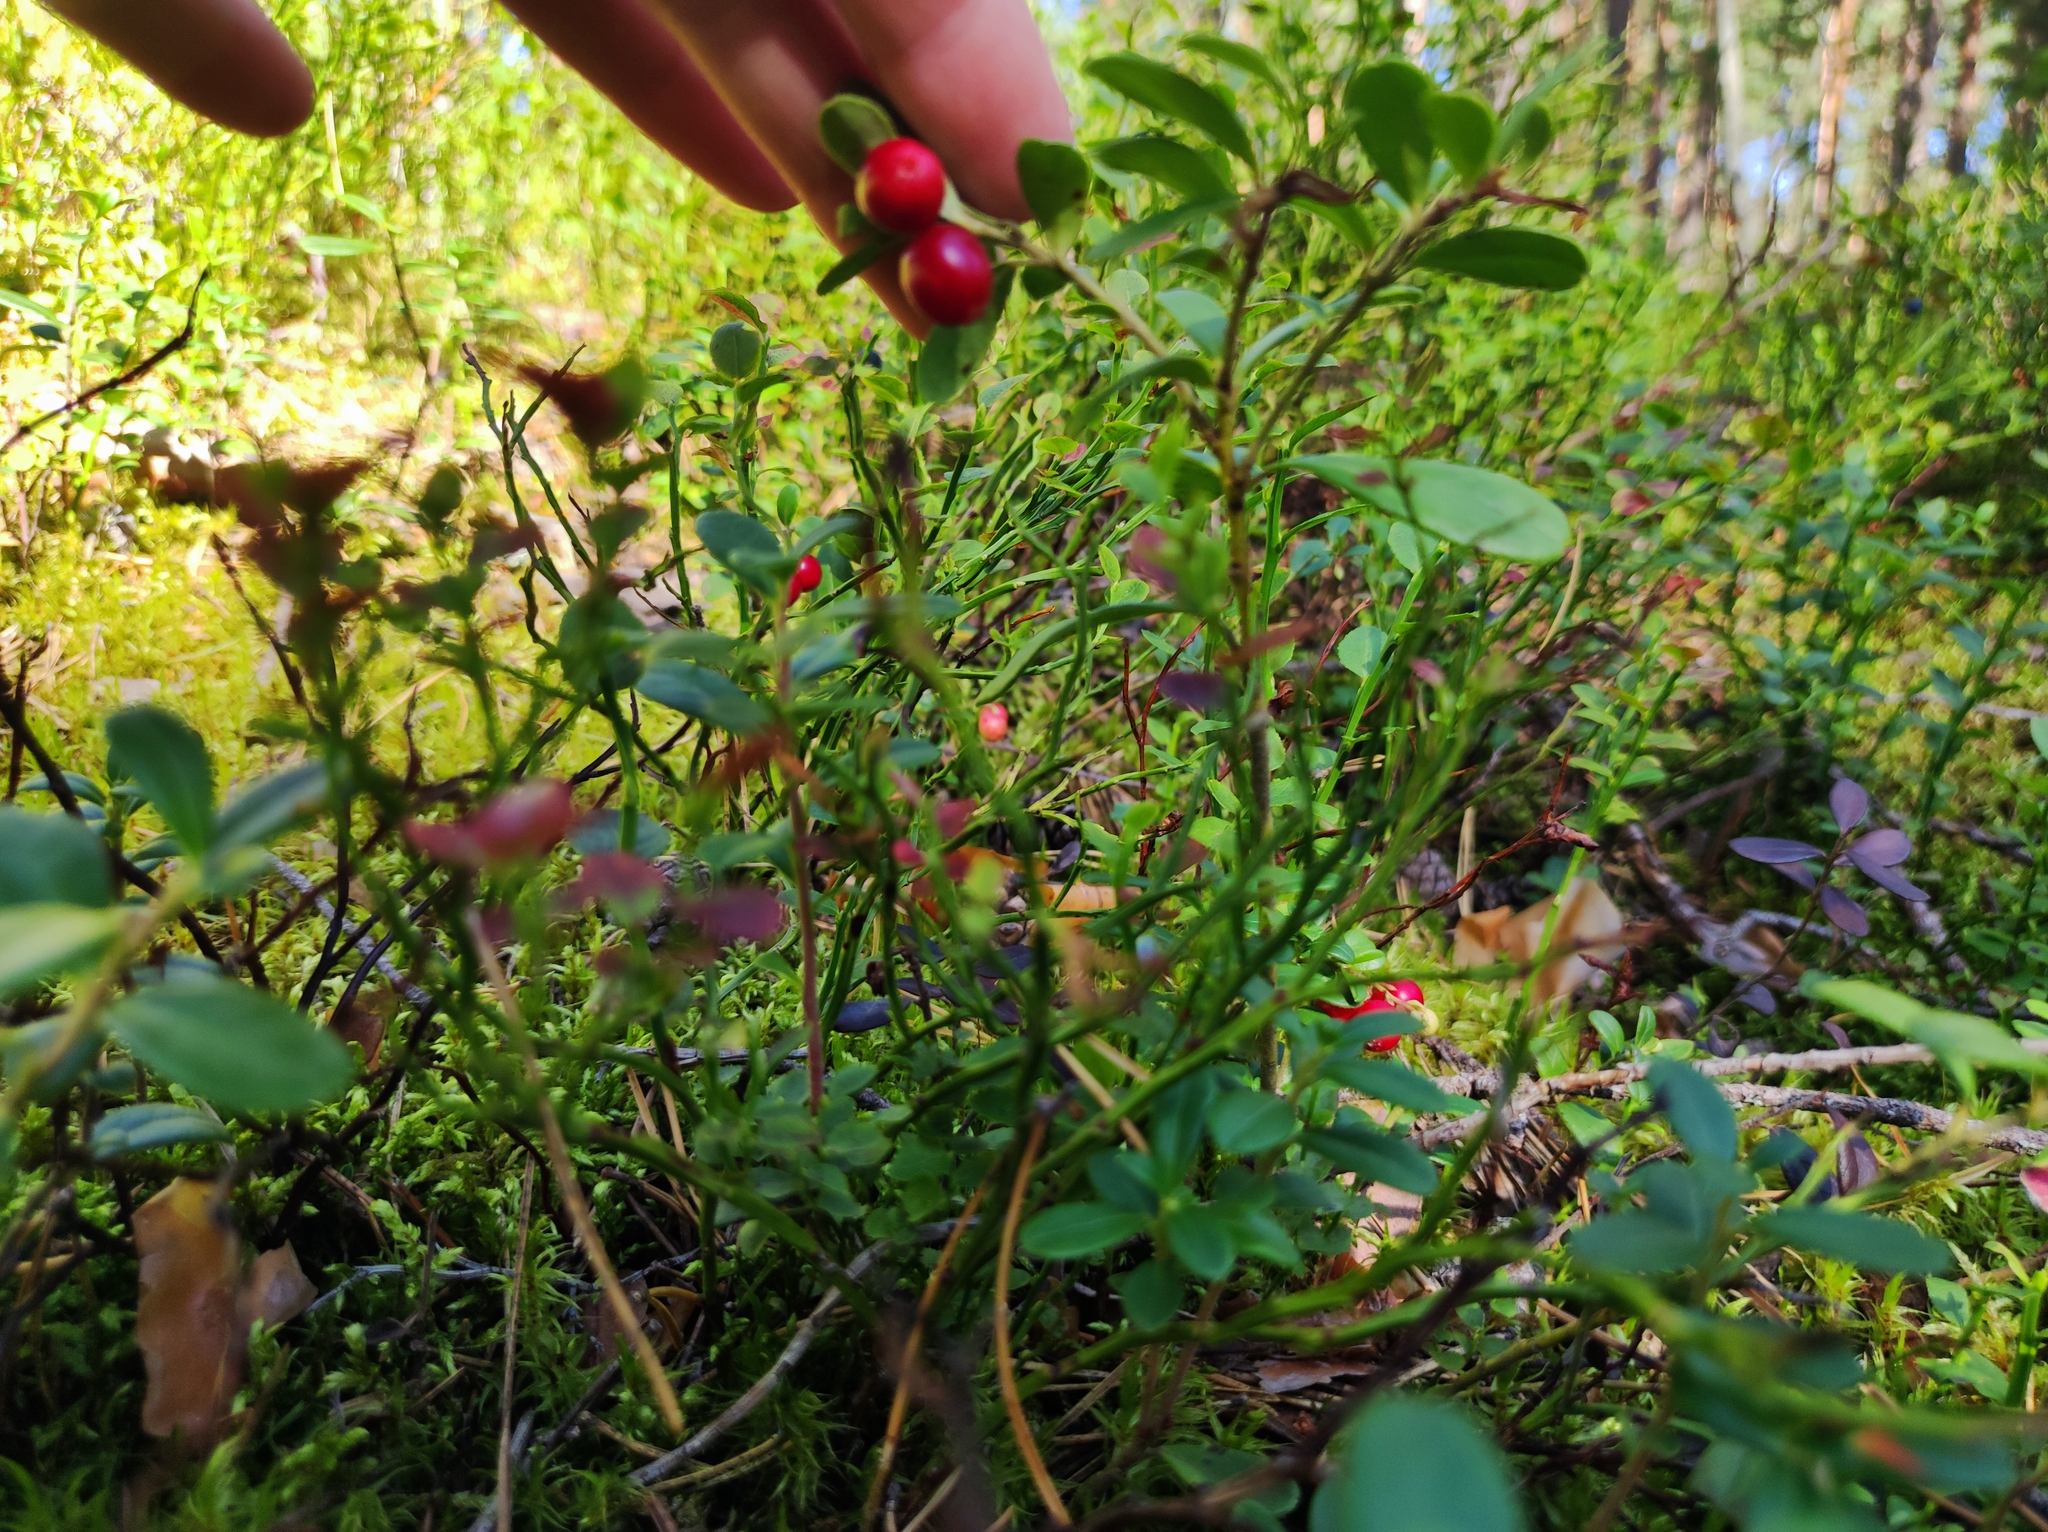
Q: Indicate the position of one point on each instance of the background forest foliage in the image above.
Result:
(513, 1018)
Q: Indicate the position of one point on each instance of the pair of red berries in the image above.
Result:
(807, 578)
(944, 269)
(1400, 995)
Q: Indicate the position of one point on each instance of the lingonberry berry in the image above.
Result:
(994, 722)
(807, 576)
(947, 275)
(900, 186)
(1400, 995)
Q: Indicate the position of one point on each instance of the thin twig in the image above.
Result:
(745, 1405)
(142, 368)
(1005, 1369)
(512, 1292)
(573, 1201)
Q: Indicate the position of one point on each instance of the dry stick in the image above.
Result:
(938, 1498)
(518, 1284)
(148, 364)
(572, 1190)
(745, 1405)
(1005, 1370)
(1615, 1081)
(899, 1407)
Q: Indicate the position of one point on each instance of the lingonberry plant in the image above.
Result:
(944, 907)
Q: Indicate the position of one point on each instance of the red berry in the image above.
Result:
(994, 722)
(807, 576)
(946, 272)
(900, 186)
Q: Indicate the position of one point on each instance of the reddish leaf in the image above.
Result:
(953, 815)
(2034, 1182)
(728, 915)
(631, 884)
(518, 825)
(1202, 691)
(1427, 670)
(598, 405)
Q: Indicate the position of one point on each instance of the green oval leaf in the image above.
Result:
(1414, 1464)
(1509, 257)
(1355, 1145)
(1163, 89)
(242, 1049)
(849, 126)
(701, 693)
(1239, 56)
(1700, 1115)
(1055, 179)
(1863, 1239)
(1454, 501)
(40, 941)
(1249, 1121)
(1384, 102)
(51, 859)
(1169, 162)
(1078, 1229)
(1462, 127)
(1200, 1239)
(167, 759)
(152, 1125)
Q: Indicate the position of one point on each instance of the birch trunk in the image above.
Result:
(1917, 42)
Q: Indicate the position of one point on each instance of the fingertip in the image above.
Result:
(281, 104)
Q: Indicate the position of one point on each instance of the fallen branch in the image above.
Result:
(1614, 1083)
(799, 1343)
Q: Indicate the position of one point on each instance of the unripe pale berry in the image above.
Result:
(946, 273)
(901, 186)
(807, 576)
(994, 722)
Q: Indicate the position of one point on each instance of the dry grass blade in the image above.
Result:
(573, 1201)
(1006, 1370)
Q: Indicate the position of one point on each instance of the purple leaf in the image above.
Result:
(1844, 913)
(1834, 1031)
(1880, 848)
(1758, 999)
(1849, 803)
(1772, 851)
(1894, 882)
(1427, 670)
(1798, 872)
(1200, 690)
(727, 915)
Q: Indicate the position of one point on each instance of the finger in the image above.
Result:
(973, 77)
(632, 56)
(222, 58)
(774, 63)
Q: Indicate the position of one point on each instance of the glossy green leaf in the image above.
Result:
(1151, 1292)
(1377, 1155)
(1384, 102)
(1200, 1239)
(1170, 162)
(736, 349)
(1463, 129)
(1156, 226)
(1165, 90)
(701, 693)
(167, 759)
(41, 941)
(1360, 650)
(1509, 257)
(1962, 1043)
(1200, 315)
(1700, 1115)
(745, 546)
(1637, 1242)
(51, 859)
(1055, 178)
(152, 1125)
(1863, 1239)
(854, 262)
(1239, 56)
(1249, 1121)
(950, 353)
(268, 807)
(240, 1048)
(1076, 1229)
(1454, 501)
(849, 126)
(1411, 1463)
(1397, 1084)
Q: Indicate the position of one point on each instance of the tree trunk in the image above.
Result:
(1962, 117)
(1917, 42)
(1836, 51)
(1695, 173)
(1663, 35)
(1617, 99)
(1728, 45)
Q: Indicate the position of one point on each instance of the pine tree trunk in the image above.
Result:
(1695, 175)
(1917, 42)
(1962, 117)
(1836, 50)
(1663, 35)
(1728, 45)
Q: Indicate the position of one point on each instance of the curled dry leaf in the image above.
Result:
(193, 1314)
(1586, 921)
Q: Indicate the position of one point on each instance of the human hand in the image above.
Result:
(731, 88)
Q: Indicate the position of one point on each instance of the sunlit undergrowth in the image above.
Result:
(1220, 963)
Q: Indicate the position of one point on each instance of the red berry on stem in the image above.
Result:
(994, 722)
(947, 274)
(900, 187)
(807, 576)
